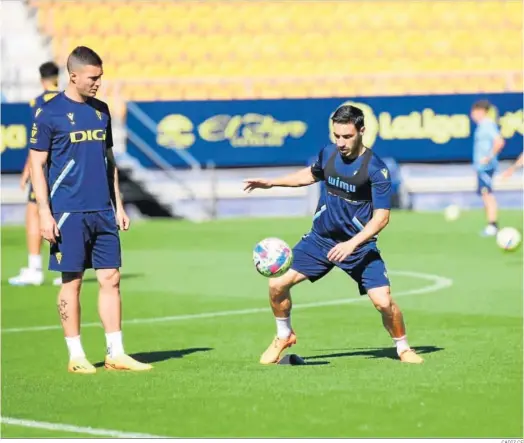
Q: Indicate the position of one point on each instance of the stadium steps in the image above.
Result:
(217, 193)
(433, 187)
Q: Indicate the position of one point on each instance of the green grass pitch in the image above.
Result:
(207, 380)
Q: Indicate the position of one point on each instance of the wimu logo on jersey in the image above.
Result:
(86, 136)
(336, 182)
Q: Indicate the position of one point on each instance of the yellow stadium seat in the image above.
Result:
(329, 47)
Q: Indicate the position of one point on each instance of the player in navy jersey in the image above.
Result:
(75, 180)
(354, 207)
(33, 274)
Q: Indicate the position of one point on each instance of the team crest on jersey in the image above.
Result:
(71, 117)
(38, 111)
(99, 115)
(384, 172)
(34, 130)
(58, 256)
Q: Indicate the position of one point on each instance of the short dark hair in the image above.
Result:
(482, 104)
(48, 70)
(349, 114)
(83, 56)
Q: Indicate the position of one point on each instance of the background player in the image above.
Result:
(353, 208)
(73, 138)
(487, 145)
(33, 274)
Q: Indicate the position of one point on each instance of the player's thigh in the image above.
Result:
(106, 250)
(368, 270)
(287, 281)
(69, 253)
(310, 259)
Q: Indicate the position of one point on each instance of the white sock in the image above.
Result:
(283, 327)
(115, 345)
(35, 262)
(402, 344)
(74, 345)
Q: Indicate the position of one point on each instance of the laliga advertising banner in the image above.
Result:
(16, 128)
(292, 131)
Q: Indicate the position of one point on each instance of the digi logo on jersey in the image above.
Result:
(336, 182)
(89, 135)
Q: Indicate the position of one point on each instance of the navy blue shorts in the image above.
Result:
(31, 198)
(87, 240)
(365, 265)
(485, 181)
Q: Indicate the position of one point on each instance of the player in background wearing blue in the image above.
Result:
(486, 147)
(354, 207)
(33, 274)
(75, 179)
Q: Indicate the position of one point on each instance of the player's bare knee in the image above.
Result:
(109, 278)
(381, 298)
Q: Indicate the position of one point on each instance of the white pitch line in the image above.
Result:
(439, 282)
(74, 429)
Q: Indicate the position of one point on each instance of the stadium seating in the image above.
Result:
(240, 49)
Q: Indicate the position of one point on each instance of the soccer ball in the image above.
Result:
(272, 257)
(451, 213)
(508, 239)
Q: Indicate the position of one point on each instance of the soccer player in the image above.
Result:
(487, 145)
(354, 207)
(517, 165)
(80, 206)
(33, 275)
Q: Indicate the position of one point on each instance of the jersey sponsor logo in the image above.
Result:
(336, 182)
(87, 136)
(71, 118)
(38, 111)
(99, 115)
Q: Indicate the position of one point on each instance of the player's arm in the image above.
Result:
(498, 144)
(48, 226)
(303, 177)
(122, 219)
(517, 165)
(381, 198)
(26, 173)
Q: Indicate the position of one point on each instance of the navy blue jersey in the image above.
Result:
(44, 97)
(77, 136)
(351, 191)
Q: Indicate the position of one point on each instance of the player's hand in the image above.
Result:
(485, 160)
(122, 219)
(341, 251)
(256, 183)
(23, 181)
(508, 173)
(48, 227)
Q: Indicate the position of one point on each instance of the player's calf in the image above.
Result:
(393, 322)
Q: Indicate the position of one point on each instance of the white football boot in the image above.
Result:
(27, 277)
